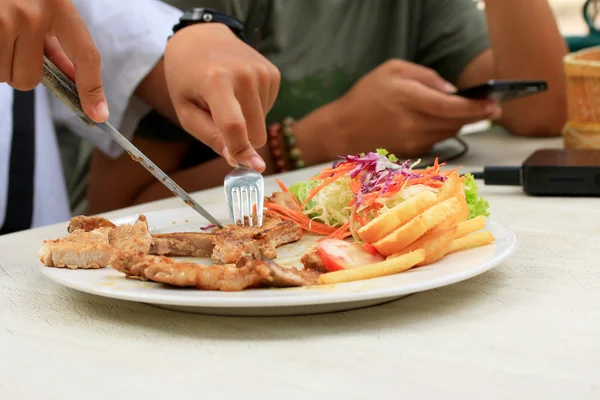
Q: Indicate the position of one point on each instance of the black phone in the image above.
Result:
(502, 91)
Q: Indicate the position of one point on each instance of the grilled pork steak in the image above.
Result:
(95, 248)
(231, 245)
(80, 249)
(312, 260)
(88, 224)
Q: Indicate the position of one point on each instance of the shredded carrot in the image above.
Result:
(299, 217)
(341, 231)
(282, 186)
(369, 203)
(317, 189)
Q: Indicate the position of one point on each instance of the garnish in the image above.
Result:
(355, 189)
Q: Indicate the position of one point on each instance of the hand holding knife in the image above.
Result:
(63, 88)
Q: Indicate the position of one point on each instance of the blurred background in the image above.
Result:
(568, 13)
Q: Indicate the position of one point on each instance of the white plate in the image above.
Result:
(290, 301)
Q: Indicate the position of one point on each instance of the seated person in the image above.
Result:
(132, 37)
(357, 75)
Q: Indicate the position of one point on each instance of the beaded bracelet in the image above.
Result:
(289, 139)
(275, 148)
(294, 155)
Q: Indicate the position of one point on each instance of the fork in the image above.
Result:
(244, 189)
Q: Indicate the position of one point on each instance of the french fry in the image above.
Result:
(470, 226)
(471, 241)
(399, 215)
(453, 187)
(450, 188)
(435, 244)
(408, 233)
(388, 267)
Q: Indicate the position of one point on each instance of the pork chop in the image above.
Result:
(131, 238)
(285, 199)
(226, 278)
(184, 244)
(289, 277)
(80, 249)
(231, 245)
(312, 260)
(81, 222)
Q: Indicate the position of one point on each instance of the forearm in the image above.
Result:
(321, 134)
(527, 44)
(154, 92)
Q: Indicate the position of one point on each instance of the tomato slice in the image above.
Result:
(340, 254)
(370, 248)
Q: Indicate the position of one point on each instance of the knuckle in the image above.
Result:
(216, 74)
(214, 141)
(264, 74)
(234, 126)
(28, 80)
(240, 150)
(394, 65)
(245, 75)
(275, 75)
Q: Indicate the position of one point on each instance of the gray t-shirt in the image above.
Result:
(322, 47)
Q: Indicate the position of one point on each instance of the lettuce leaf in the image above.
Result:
(477, 205)
(301, 189)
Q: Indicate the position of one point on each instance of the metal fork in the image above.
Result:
(244, 189)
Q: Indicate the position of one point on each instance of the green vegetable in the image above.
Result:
(477, 205)
(385, 153)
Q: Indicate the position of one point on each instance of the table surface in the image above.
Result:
(530, 327)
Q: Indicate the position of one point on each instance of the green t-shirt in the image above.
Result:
(322, 47)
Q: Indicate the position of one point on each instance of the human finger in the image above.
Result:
(79, 46)
(435, 103)
(229, 118)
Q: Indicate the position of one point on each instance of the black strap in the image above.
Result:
(19, 202)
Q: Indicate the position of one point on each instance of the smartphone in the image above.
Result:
(502, 91)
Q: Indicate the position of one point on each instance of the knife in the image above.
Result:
(64, 88)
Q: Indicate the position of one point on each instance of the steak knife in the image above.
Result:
(64, 88)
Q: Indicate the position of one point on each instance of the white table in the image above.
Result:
(528, 329)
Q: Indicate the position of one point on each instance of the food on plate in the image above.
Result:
(470, 241)
(384, 224)
(406, 234)
(88, 223)
(470, 226)
(435, 243)
(80, 249)
(340, 254)
(388, 207)
(355, 190)
(228, 277)
(390, 266)
(230, 244)
(370, 215)
(94, 248)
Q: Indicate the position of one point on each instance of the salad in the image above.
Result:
(341, 199)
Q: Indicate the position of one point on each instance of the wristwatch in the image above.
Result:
(208, 15)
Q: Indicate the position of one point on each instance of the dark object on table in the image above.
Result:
(551, 172)
(502, 91)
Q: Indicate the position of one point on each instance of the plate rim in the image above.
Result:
(220, 299)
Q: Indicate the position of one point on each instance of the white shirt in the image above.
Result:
(131, 36)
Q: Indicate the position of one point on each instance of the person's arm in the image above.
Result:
(210, 82)
(525, 44)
